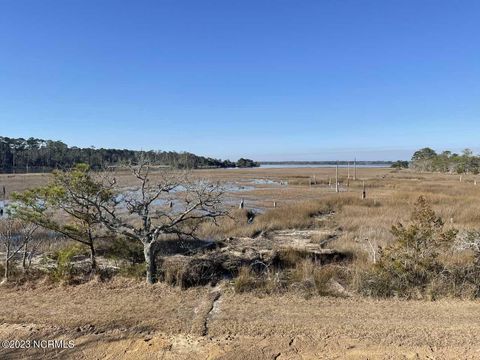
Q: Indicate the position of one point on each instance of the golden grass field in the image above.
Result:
(390, 197)
(128, 319)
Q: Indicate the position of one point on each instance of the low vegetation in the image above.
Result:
(416, 263)
(379, 252)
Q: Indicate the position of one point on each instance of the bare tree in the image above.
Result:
(12, 242)
(29, 245)
(145, 214)
(469, 240)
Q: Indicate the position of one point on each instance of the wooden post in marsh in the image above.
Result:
(3, 202)
(336, 178)
(170, 205)
(348, 174)
(475, 182)
(460, 178)
(329, 182)
(355, 169)
(314, 180)
(242, 204)
(364, 194)
(274, 204)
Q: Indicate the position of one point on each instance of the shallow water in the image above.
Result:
(293, 166)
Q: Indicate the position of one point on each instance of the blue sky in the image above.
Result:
(271, 80)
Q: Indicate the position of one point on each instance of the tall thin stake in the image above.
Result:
(336, 178)
(355, 169)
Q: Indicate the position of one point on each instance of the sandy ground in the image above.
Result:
(128, 320)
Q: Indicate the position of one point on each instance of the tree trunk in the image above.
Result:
(25, 255)
(5, 273)
(150, 261)
(93, 259)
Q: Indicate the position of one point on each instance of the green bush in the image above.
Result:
(136, 271)
(410, 266)
(64, 269)
(125, 249)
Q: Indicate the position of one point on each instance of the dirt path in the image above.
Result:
(205, 312)
(132, 321)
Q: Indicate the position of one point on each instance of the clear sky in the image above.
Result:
(271, 80)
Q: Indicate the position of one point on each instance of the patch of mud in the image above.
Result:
(205, 311)
(269, 182)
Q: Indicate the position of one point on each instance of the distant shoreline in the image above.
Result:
(376, 162)
(323, 164)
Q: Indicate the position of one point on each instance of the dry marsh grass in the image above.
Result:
(114, 304)
(360, 226)
(390, 196)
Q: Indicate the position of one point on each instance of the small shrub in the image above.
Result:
(303, 271)
(322, 278)
(64, 269)
(290, 257)
(136, 271)
(173, 272)
(411, 265)
(125, 249)
(245, 281)
(14, 270)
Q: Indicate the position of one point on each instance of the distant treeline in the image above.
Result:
(427, 159)
(30, 155)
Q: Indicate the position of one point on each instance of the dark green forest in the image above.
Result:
(427, 159)
(36, 155)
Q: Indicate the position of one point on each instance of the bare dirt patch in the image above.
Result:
(127, 320)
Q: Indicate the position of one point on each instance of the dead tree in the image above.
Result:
(28, 232)
(144, 214)
(37, 240)
(12, 241)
